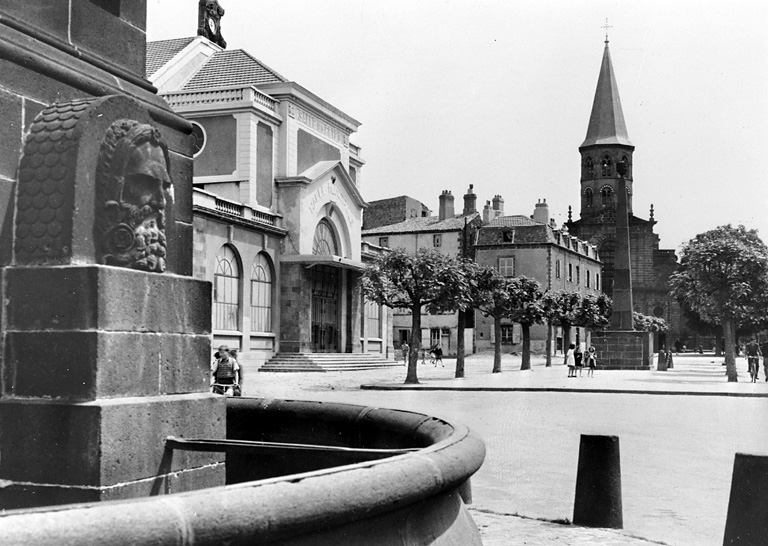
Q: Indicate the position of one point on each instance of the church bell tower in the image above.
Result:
(605, 145)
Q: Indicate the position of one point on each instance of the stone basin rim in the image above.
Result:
(271, 510)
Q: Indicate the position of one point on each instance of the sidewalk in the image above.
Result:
(692, 375)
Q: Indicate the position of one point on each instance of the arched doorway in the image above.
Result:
(326, 293)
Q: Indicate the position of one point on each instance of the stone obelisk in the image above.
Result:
(622, 347)
(621, 319)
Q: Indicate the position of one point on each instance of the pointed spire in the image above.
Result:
(606, 124)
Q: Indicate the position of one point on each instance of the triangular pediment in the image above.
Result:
(332, 176)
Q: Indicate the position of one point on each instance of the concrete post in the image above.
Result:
(598, 483)
(747, 521)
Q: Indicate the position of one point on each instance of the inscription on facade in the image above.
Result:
(328, 189)
(318, 125)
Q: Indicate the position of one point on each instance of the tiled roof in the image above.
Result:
(162, 51)
(513, 221)
(231, 68)
(424, 224)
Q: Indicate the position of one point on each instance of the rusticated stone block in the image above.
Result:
(115, 41)
(10, 133)
(52, 16)
(107, 442)
(181, 170)
(106, 298)
(96, 364)
(180, 242)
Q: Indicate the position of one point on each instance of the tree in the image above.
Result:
(526, 309)
(560, 309)
(723, 276)
(646, 323)
(425, 280)
(594, 311)
(491, 296)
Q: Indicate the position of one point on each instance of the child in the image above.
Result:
(591, 361)
(570, 360)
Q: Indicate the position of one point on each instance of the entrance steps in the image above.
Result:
(326, 362)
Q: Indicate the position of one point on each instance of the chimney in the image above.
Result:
(498, 205)
(446, 205)
(541, 212)
(470, 201)
(487, 212)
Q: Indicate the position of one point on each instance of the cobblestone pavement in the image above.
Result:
(679, 431)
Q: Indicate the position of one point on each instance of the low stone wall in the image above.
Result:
(406, 499)
(623, 349)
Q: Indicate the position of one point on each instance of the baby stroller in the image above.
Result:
(227, 390)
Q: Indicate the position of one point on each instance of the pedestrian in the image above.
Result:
(591, 361)
(438, 351)
(578, 357)
(752, 351)
(405, 348)
(225, 371)
(570, 361)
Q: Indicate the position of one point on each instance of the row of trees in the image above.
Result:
(433, 282)
(721, 282)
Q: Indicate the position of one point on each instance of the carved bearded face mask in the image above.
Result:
(135, 183)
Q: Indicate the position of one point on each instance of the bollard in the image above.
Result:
(747, 521)
(662, 363)
(598, 483)
(670, 363)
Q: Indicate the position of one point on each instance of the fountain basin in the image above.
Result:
(292, 498)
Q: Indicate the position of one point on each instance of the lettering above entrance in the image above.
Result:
(318, 125)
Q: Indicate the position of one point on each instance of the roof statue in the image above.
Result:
(209, 16)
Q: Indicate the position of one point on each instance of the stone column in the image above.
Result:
(106, 353)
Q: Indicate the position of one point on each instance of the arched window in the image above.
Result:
(607, 166)
(261, 295)
(226, 291)
(625, 159)
(605, 195)
(589, 197)
(325, 240)
(590, 166)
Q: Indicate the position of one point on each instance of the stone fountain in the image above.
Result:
(108, 433)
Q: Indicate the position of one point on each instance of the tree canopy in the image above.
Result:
(723, 276)
(425, 280)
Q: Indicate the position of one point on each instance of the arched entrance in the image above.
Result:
(326, 293)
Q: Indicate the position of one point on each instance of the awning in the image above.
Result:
(311, 260)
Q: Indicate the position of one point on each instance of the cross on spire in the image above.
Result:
(606, 26)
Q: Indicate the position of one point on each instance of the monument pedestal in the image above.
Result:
(101, 365)
(623, 349)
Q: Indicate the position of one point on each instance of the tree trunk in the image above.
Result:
(549, 344)
(729, 333)
(413, 354)
(497, 344)
(526, 365)
(460, 344)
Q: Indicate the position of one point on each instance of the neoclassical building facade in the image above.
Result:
(277, 205)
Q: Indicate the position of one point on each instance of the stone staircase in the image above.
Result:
(326, 362)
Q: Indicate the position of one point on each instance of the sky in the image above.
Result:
(498, 93)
